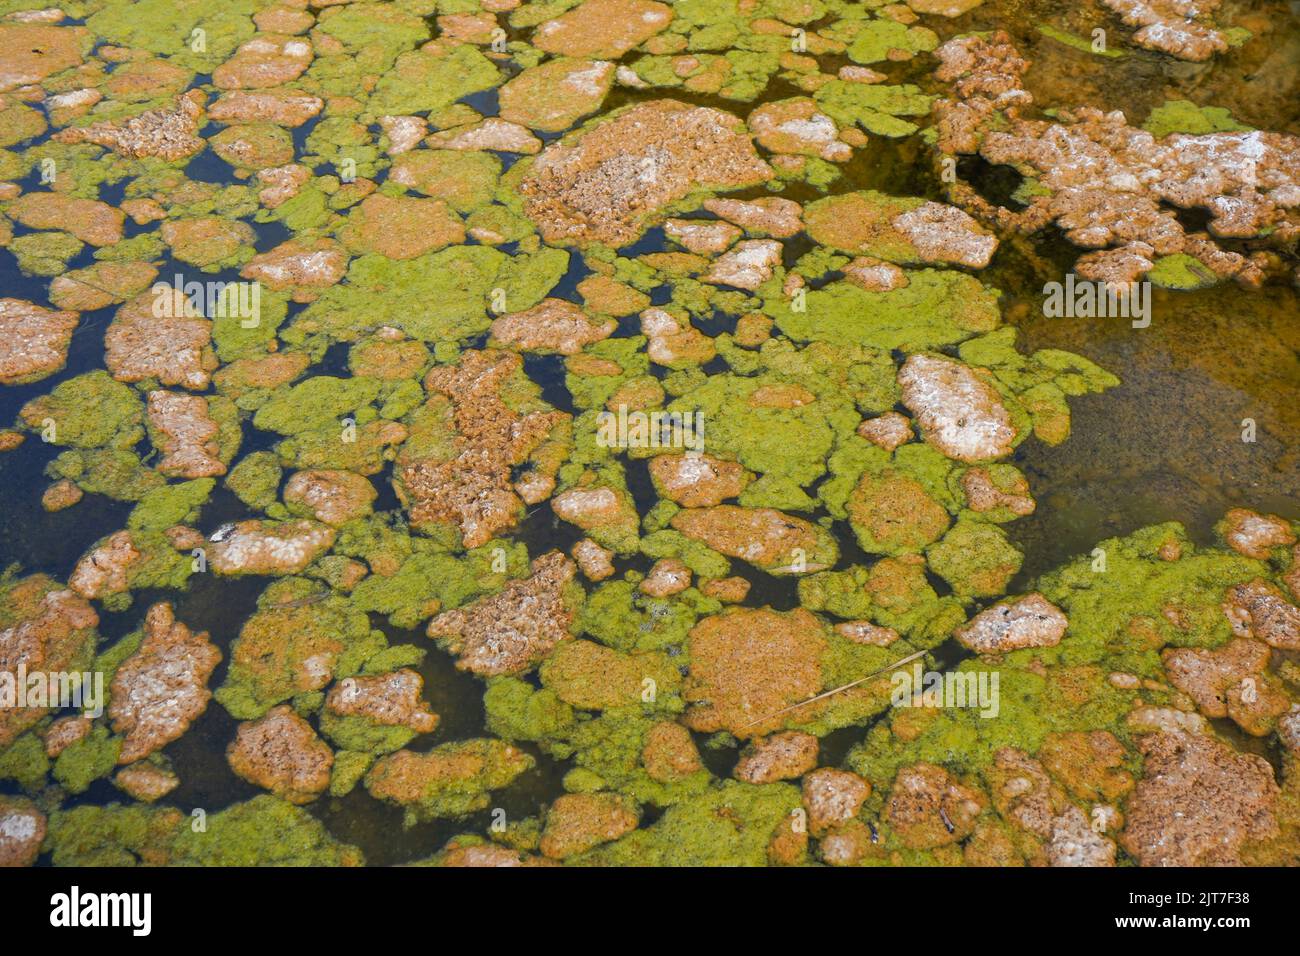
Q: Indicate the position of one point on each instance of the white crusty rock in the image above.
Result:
(260, 547)
(960, 413)
(1031, 621)
(747, 266)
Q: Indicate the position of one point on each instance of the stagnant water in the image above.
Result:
(1164, 445)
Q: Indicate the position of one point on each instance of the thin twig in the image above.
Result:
(843, 687)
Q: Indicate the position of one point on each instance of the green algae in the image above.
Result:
(727, 825)
(88, 411)
(315, 404)
(876, 108)
(975, 558)
(169, 505)
(460, 279)
(263, 831)
(87, 760)
(936, 308)
(167, 27)
(1181, 271)
(45, 253)
(25, 763)
(420, 82)
(1077, 42)
(619, 615)
(517, 711)
(1125, 579)
(429, 579)
(284, 650)
(875, 39)
(608, 752)
(787, 410)
(113, 472)
(113, 835)
(458, 781)
(255, 479)
(1184, 116)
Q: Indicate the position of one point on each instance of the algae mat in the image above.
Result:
(759, 432)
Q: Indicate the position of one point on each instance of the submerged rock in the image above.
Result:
(1229, 682)
(145, 781)
(1109, 185)
(452, 780)
(388, 700)
(771, 215)
(747, 266)
(928, 808)
(1255, 535)
(47, 629)
(748, 665)
(550, 97)
(1176, 27)
(769, 539)
(1259, 609)
(602, 27)
(553, 325)
(697, 481)
(168, 134)
(594, 561)
(667, 577)
(148, 340)
(782, 756)
(832, 797)
(333, 497)
(472, 488)
(186, 434)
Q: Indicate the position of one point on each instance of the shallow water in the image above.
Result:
(1164, 445)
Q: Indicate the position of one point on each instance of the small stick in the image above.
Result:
(843, 687)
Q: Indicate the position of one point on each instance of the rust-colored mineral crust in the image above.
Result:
(510, 631)
(1198, 802)
(167, 134)
(1031, 621)
(1108, 185)
(33, 341)
(609, 183)
(280, 752)
(186, 435)
(1181, 28)
(473, 489)
(392, 700)
(163, 687)
(54, 632)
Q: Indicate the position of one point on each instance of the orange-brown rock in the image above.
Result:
(162, 688)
